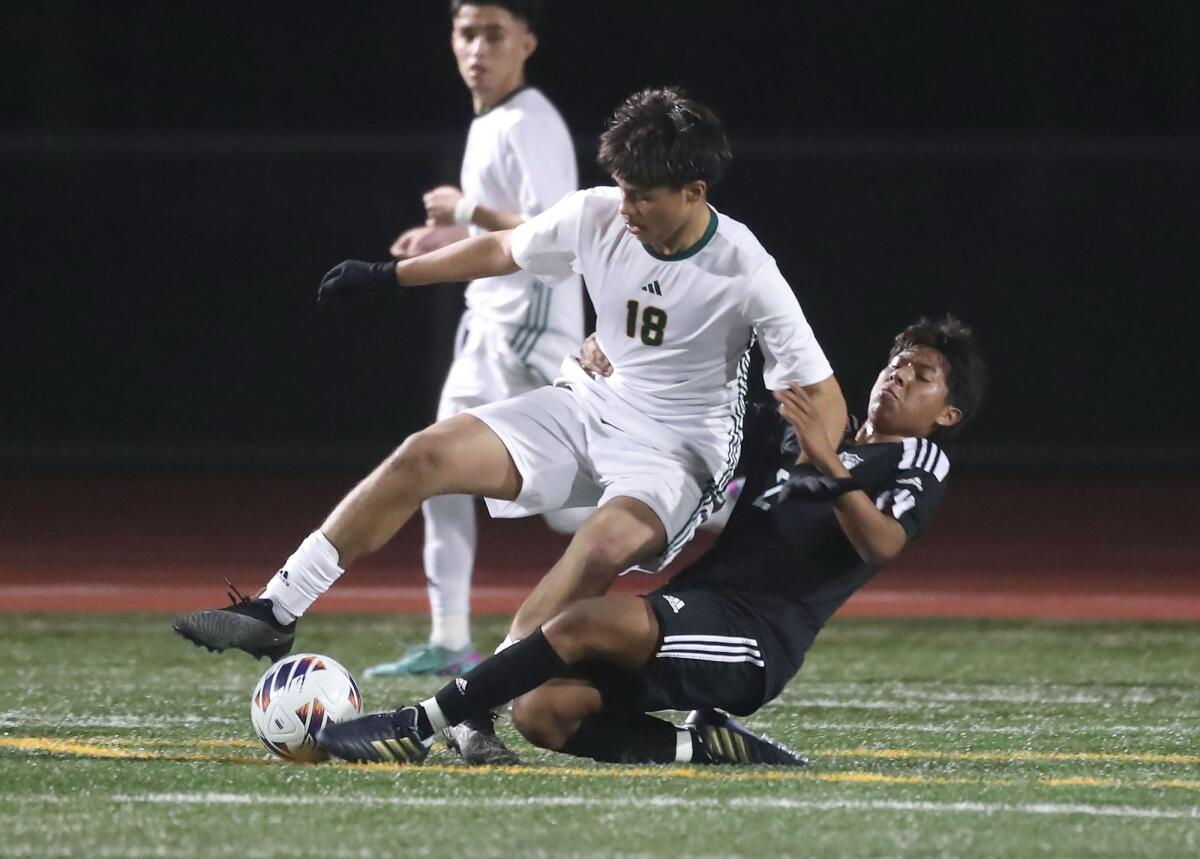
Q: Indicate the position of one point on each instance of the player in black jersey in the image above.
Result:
(731, 630)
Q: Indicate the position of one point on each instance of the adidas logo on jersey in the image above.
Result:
(674, 602)
(912, 481)
(653, 288)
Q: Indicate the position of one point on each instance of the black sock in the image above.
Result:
(498, 679)
(624, 739)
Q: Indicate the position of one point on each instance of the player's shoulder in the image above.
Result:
(736, 242)
(923, 455)
(526, 108)
(918, 461)
(601, 201)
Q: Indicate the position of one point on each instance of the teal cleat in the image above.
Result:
(427, 659)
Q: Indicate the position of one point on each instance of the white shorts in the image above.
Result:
(488, 364)
(569, 455)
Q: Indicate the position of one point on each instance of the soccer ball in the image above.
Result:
(297, 697)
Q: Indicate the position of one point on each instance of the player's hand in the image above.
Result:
(422, 240)
(592, 358)
(353, 279)
(439, 205)
(797, 408)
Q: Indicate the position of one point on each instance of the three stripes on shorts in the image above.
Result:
(711, 648)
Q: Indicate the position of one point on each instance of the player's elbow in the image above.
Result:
(879, 551)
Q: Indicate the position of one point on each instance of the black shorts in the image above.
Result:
(715, 651)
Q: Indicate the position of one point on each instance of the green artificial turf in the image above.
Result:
(927, 738)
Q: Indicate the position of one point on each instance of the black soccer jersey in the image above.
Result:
(790, 558)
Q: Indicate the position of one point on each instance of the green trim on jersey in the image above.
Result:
(709, 232)
(533, 326)
(503, 101)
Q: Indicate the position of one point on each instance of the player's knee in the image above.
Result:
(419, 458)
(606, 553)
(539, 722)
(613, 542)
(580, 631)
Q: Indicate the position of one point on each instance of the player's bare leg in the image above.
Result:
(622, 533)
(460, 455)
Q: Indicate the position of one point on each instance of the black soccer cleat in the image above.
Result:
(477, 743)
(247, 624)
(382, 738)
(727, 742)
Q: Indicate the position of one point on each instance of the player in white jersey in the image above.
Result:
(680, 291)
(519, 160)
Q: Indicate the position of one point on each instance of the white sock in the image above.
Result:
(683, 746)
(451, 631)
(307, 574)
(437, 719)
(449, 557)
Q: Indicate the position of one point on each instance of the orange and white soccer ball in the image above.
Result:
(298, 696)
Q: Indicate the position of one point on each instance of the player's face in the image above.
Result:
(654, 215)
(490, 47)
(909, 396)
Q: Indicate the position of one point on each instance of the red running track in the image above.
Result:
(999, 548)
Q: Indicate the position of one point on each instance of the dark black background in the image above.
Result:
(177, 176)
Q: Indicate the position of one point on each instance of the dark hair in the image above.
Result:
(529, 11)
(660, 137)
(966, 372)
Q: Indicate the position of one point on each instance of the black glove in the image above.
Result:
(816, 487)
(353, 279)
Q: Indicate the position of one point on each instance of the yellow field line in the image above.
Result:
(74, 747)
(1097, 757)
(91, 750)
(862, 752)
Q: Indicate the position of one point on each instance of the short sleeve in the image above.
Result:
(547, 245)
(790, 350)
(916, 487)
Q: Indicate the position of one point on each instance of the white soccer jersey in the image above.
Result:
(520, 158)
(676, 329)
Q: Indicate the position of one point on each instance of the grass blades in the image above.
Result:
(927, 738)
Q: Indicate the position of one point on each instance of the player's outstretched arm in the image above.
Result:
(875, 536)
(830, 406)
(481, 256)
(489, 255)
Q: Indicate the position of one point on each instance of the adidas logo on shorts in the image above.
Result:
(461, 685)
(674, 602)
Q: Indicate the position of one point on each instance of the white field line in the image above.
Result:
(887, 693)
(1044, 726)
(22, 719)
(345, 592)
(635, 804)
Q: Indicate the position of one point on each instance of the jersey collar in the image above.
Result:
(503, 101)
(709, 231)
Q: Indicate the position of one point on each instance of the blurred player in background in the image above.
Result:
(519, 161)
(816, 523)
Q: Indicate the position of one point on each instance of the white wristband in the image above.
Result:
(464, 210)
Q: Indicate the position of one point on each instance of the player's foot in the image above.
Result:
(476, 741)
(385, 738)
(428, 659)
(727, 742)
(248, 624)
